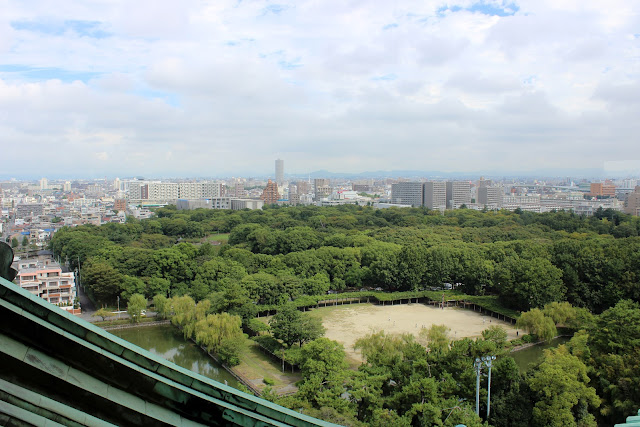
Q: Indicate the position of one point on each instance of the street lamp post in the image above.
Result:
(489, 362)
(479, 362)
(118, 307)
(477, 365)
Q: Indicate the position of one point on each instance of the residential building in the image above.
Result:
(120, 205)
(458, 194)
(632, 205)
(270, 193)
(197, 190)
(26, 210)
(238, 189)
(294, 197)
(407, 193)
(435, 195)
(155, 192)
(44, 277)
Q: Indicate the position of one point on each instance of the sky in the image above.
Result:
(223, 88)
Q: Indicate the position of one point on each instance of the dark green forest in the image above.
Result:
(283, 254)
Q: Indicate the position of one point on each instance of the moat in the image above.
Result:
(167, 341)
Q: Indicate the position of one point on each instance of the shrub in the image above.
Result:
(268, 381)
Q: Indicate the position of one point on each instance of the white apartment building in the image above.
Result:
(168, 192)
(529, 203)
(163, 191)
(198, 190)
(43, 277)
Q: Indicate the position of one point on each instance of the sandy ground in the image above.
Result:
(347, 323)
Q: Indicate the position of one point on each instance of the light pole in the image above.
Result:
(79, 277)
(479, 362)
(477, 365)
(489, 362)
(118, 307)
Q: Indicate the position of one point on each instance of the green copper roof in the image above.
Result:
(59, 368)
(632, 420)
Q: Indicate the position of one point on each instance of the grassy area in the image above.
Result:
(490, 302)
(255, 365)
(115, 322)
(220, 237)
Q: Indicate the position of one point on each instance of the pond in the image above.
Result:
(524, 358)
(166, 341)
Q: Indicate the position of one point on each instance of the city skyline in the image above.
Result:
(166, 90)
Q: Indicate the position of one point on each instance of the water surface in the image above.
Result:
(524, 358)
(167, 341)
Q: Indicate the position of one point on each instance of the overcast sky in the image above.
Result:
(196, 88)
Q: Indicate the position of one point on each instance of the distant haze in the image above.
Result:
(223, 88)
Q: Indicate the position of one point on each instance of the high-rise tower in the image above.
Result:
(280, 172)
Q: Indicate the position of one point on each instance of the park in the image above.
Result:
(356, 271)
(347, 323)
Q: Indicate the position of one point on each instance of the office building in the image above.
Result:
(602, 189)
(482, 183)
(321, 188)
(280, 172)
(435, 195)
(458, 194)
(219, 203)
(303, 187)
(490, 197)
(407, 193)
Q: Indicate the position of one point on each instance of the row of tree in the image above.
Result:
(220, 333)
(431, 380)
(588, 270)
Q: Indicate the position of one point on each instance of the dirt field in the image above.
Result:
(347, 323)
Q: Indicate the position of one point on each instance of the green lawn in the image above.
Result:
(220, 237)
(255, 366)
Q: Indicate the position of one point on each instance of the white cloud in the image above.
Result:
(224, 87)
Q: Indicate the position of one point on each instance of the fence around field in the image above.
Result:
(135, 325)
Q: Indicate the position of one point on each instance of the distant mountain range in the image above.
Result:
(538, 173)
(576, 173)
